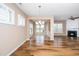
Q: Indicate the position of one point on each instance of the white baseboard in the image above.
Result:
(16, 48)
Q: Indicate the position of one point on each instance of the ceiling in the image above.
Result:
(61, 11)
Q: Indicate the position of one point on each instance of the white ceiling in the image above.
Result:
(58, 10)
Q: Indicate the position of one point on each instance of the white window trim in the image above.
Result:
(10, 21)
(62, 28)
(23, 24)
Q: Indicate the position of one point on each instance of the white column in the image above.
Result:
(27, 30)
(34, 28)
(51, 29)
(46, 28)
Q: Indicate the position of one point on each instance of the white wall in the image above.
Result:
(73, 25)
(11, 36)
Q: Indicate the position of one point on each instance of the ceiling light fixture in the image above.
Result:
(39, 20)
(20, 3)
(39, 7)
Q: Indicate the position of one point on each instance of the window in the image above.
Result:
(40, 26)
(31, 29)
(6, 14)
(21, 20)
(58, 28)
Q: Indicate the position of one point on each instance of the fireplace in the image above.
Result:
(72, 33)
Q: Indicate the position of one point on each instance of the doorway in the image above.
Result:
(40, 32)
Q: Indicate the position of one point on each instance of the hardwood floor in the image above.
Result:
(60, 46)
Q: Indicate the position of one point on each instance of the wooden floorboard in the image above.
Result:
(60, 46)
